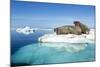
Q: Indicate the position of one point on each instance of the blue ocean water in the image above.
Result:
(26, 50)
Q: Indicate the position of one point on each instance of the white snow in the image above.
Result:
(69, 38)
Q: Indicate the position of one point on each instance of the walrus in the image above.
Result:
(67, 29)
(80, 27)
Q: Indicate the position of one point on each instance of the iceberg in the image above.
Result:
(68, 38)
(26, 30)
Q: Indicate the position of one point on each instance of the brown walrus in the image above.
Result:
(77, 29)
(82, 28)
(67, 29)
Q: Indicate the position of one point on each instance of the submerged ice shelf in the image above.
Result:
(69, 38)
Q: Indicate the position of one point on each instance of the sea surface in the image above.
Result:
(26, 50)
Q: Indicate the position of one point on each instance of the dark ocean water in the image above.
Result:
(26, 50)
(19, 40)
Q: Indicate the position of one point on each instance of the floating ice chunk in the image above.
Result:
(69, 38)
(26, 30)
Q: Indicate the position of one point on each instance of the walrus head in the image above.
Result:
(77, 23)
(78, 29)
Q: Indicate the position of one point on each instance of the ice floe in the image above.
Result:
(69, 38)
(26, 30)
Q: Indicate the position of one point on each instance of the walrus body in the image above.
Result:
(77, 29)
(64, 30)
(83, 27)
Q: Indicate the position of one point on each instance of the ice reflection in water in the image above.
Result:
(48, 53)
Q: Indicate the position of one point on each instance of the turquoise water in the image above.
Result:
(39, 53)
(26, 50)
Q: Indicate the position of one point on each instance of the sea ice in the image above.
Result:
(69, 38)
(26, 30)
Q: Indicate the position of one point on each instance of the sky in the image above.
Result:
(50, 15)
